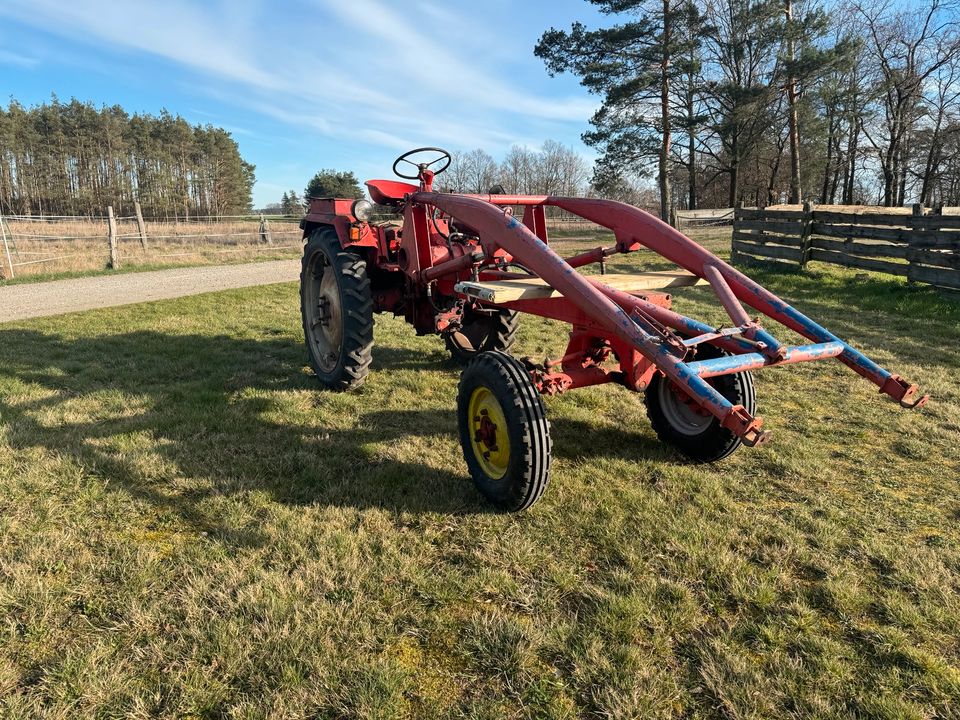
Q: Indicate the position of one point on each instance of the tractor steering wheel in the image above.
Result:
(444, 155)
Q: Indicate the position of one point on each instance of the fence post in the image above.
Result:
(917, 235)
(141, 225)
(112, 237)
(265, 235)
(805, 232)
(6, 248)
(737, 219)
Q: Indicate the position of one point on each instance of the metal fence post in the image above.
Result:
(112, 237)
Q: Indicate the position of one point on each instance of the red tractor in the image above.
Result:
(464, 267)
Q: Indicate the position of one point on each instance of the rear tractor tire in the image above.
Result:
(337, 311)
(481, 332)
(504, 431)
(681, 423)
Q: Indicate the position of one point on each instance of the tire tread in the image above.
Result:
(356, 352)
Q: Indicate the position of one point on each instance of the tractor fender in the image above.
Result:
(367, 239)
(366, 250)
(340, 225)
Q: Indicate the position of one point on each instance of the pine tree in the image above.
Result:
(72, 158)
(633, 66)
(333, 184)
(805, 61)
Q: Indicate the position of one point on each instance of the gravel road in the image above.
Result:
(19, 302)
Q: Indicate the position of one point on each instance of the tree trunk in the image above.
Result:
(902, 164)
(734, 190)
(853, 142)
(828, 166)
(835, 181)
(933, 159)
(889, 167)
(691, 147)
(666, 200)
(795, 191)
(772, 183)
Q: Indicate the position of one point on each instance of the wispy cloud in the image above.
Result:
(423, 58)
(367, 73)
(12, 58)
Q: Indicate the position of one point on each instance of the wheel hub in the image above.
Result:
(489, 439)
(681, 411)
(323, 311)
(325, 323)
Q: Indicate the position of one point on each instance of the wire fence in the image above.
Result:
(712, 217)
(54, 244)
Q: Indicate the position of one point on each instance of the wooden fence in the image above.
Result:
(922, 245)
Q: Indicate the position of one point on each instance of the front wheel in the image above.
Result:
(504, 431)
(682, 423)
(337, 311)
(480, 331)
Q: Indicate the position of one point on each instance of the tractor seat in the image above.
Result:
(389, 192)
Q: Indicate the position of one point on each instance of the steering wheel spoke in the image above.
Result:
(444, 157)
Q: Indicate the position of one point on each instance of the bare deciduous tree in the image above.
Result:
(909, 48)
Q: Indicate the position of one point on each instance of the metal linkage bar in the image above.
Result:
(725, 296)
(752, 361)
(631, 224)
(498, 230)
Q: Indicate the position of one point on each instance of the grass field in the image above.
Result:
(189, 527)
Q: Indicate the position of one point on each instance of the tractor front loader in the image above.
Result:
(464, 267)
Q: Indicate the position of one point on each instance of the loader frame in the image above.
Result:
(662, 337)
(616, 336)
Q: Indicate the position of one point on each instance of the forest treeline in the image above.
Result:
(76, 159)
(767, 101)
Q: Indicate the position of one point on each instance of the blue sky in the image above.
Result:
(304, 85)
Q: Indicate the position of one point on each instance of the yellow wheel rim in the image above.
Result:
(488, 433)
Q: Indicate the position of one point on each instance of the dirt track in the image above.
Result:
(19, 302)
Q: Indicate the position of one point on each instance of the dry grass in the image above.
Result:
(59, 247)
(190, 527)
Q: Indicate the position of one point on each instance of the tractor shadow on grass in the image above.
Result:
(178, 421)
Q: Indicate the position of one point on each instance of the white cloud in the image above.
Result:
(377, 74)
(425, 59)
(12, 58)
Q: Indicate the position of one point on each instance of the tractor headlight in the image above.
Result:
(362, 210)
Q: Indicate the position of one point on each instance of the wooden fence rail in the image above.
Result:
(922, 245)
